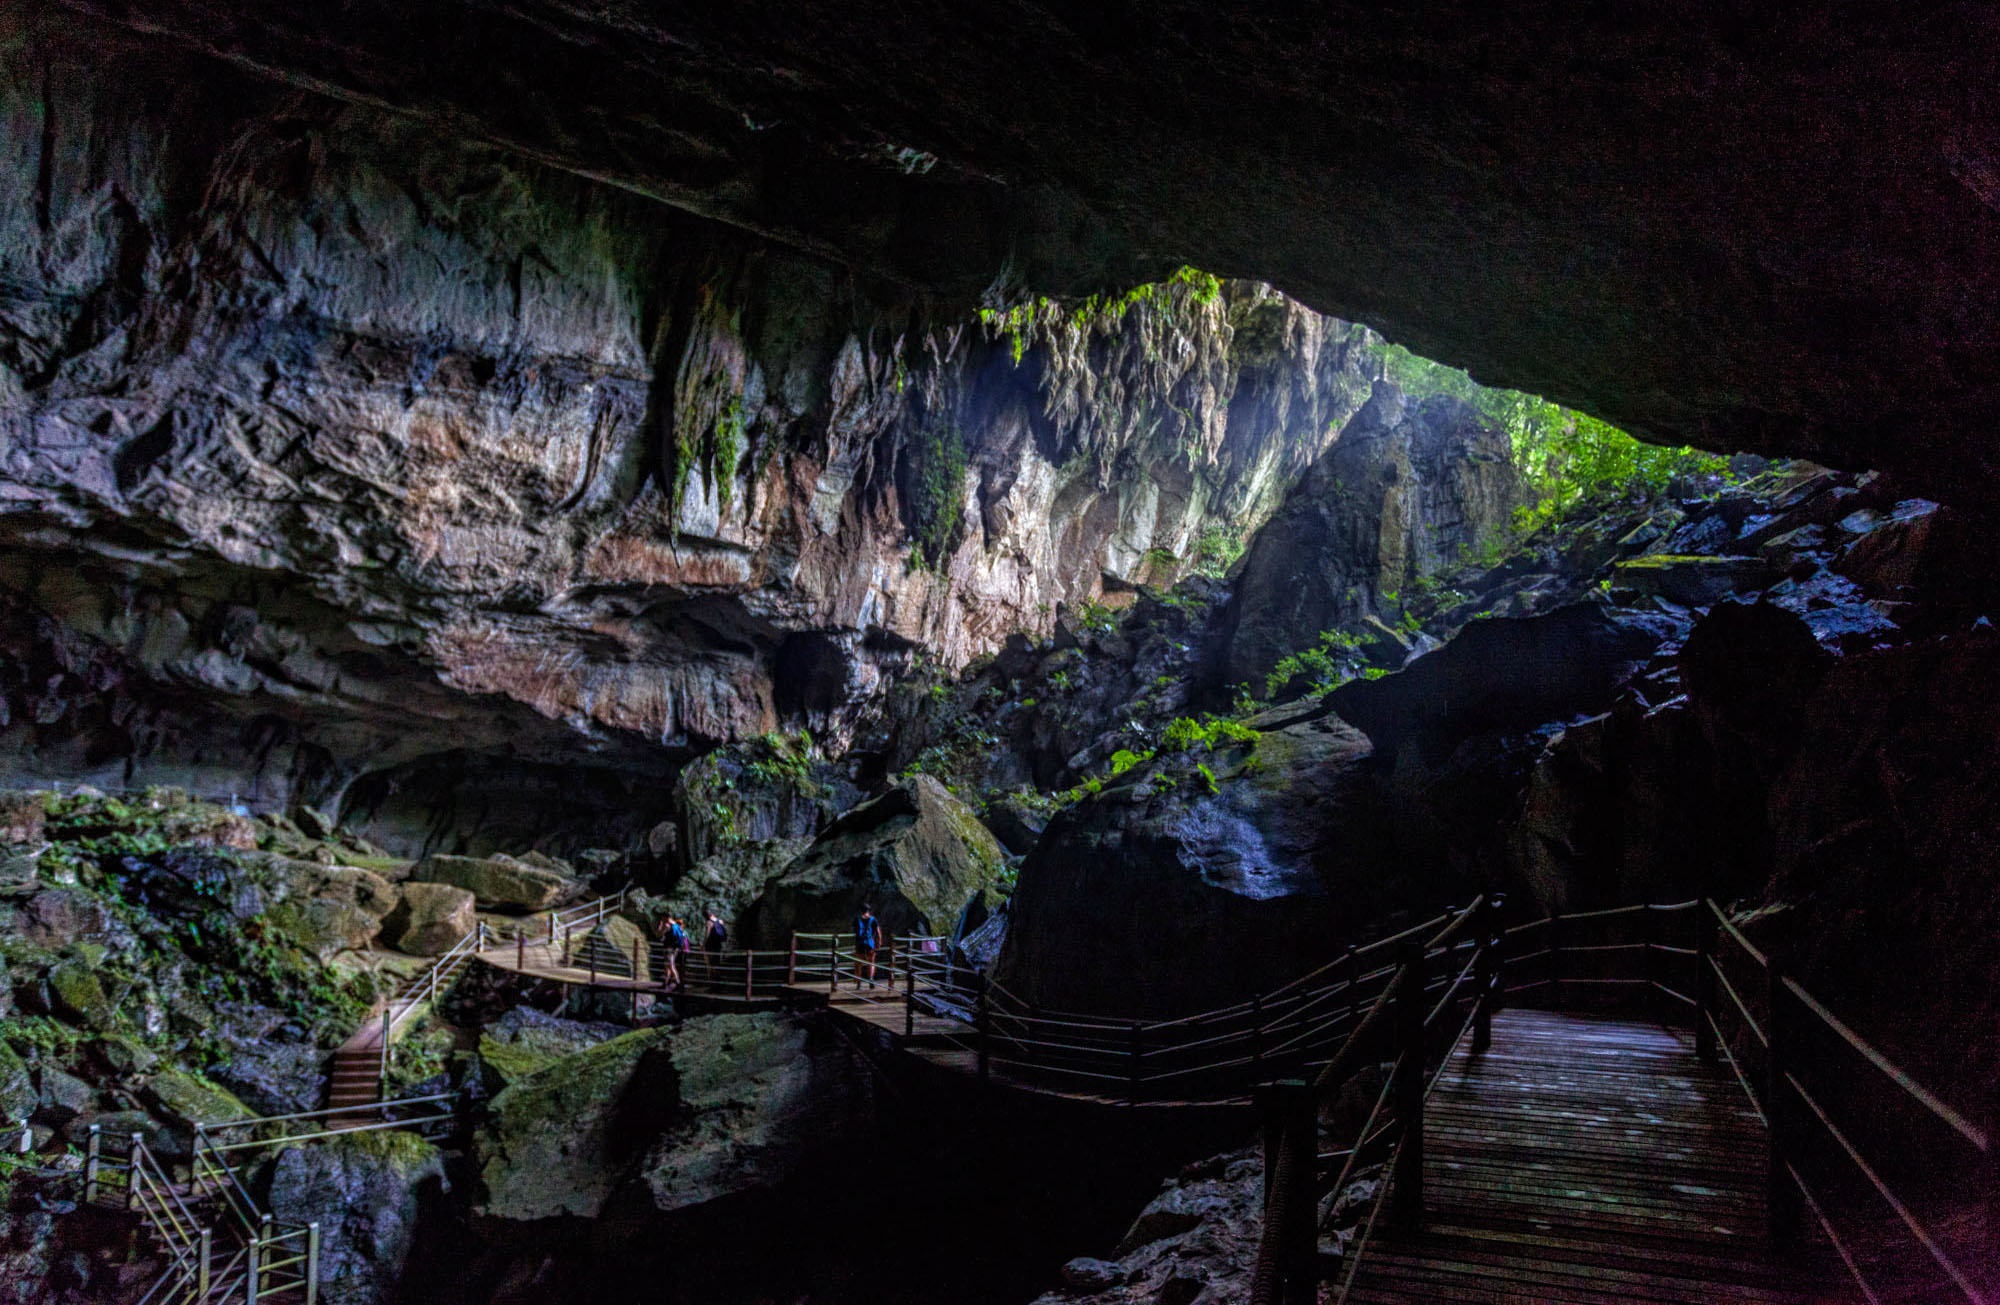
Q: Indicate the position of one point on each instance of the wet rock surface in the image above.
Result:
(719, 1105)
(465, 500)
(917, 855)
(366, 1192)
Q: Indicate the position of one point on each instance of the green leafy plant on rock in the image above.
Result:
(937, 492)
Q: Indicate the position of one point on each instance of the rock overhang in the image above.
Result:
(1774, 233)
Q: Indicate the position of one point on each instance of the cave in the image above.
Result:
(740, 653)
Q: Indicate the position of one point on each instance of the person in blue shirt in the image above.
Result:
(867, 937)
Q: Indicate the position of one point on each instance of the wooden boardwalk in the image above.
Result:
(1590, 1160)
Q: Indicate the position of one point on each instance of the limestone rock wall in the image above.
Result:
(333, 446)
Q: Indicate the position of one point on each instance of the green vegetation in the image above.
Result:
(937, 492)
(1328, 664)
(710, 432)
(1568, 457)
(1019, 323)
(1217, 550)
(1185, 733)
(788, 759)
(1096, 617)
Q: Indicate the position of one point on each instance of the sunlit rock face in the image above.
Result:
(344, 461)
(1777, 232)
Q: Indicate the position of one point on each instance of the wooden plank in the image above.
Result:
(1587, 1160)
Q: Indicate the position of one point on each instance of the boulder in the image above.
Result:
(500, 883)
(1509, 673)
(525, 1041)
(719, 1105)
(429, 919)
(1015, 823)
(1175, 890)
(63, 1096)
(22, 813)
(187, 1101)
(728, 880)
(1194, 1244)
(560, 1141)
(365, 1191)
(916, 853)
(18, 1097)
(274, 1077)
(57, 917)
(759, 1097)
(76, 996)
(1690, 581)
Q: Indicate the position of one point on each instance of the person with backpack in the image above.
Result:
(867, 937)
(673, 945)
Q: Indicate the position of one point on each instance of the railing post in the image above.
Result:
(749, 975)
(204, 1251)
(984, 1023)
(910, 993)
(833, 964)
(133, 1147)
(1485, 974)
(312, 1264)
(1256, 1037)
(1704, 981)
(1133, 1054)
(1409, 1091)
(254, 1269)
(1649, 929)
(1291, 1128)
(1555, 967)
(521, 951)
(792, 966)
(1781, 1196)
(638, 975)
(93, 1162)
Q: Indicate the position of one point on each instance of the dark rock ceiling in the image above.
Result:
(1770, 227)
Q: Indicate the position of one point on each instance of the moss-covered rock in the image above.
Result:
(525, 1041)
(554, 1141)
(76, 996)
(120, 1055)
(917, 854)
(429, 919)
(187, 1100)
(18, 1097)
(758, 1095)
(501, 882)
(365, 1191)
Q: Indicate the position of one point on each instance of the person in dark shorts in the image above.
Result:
(867, 937)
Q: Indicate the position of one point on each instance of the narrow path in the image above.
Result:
(1591, 1160)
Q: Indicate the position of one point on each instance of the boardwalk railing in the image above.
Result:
(1438, 987)
(218, 1243)
(1891, 1174)
(1905, 1188)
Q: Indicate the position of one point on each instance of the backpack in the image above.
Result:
(677, 937)
(718, 934)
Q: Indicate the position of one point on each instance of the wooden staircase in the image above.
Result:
(358, 1066)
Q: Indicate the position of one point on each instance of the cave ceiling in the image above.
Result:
(1746, 227)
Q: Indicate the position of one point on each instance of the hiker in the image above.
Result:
(673, 942)
(714, 937)
(867, 937)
